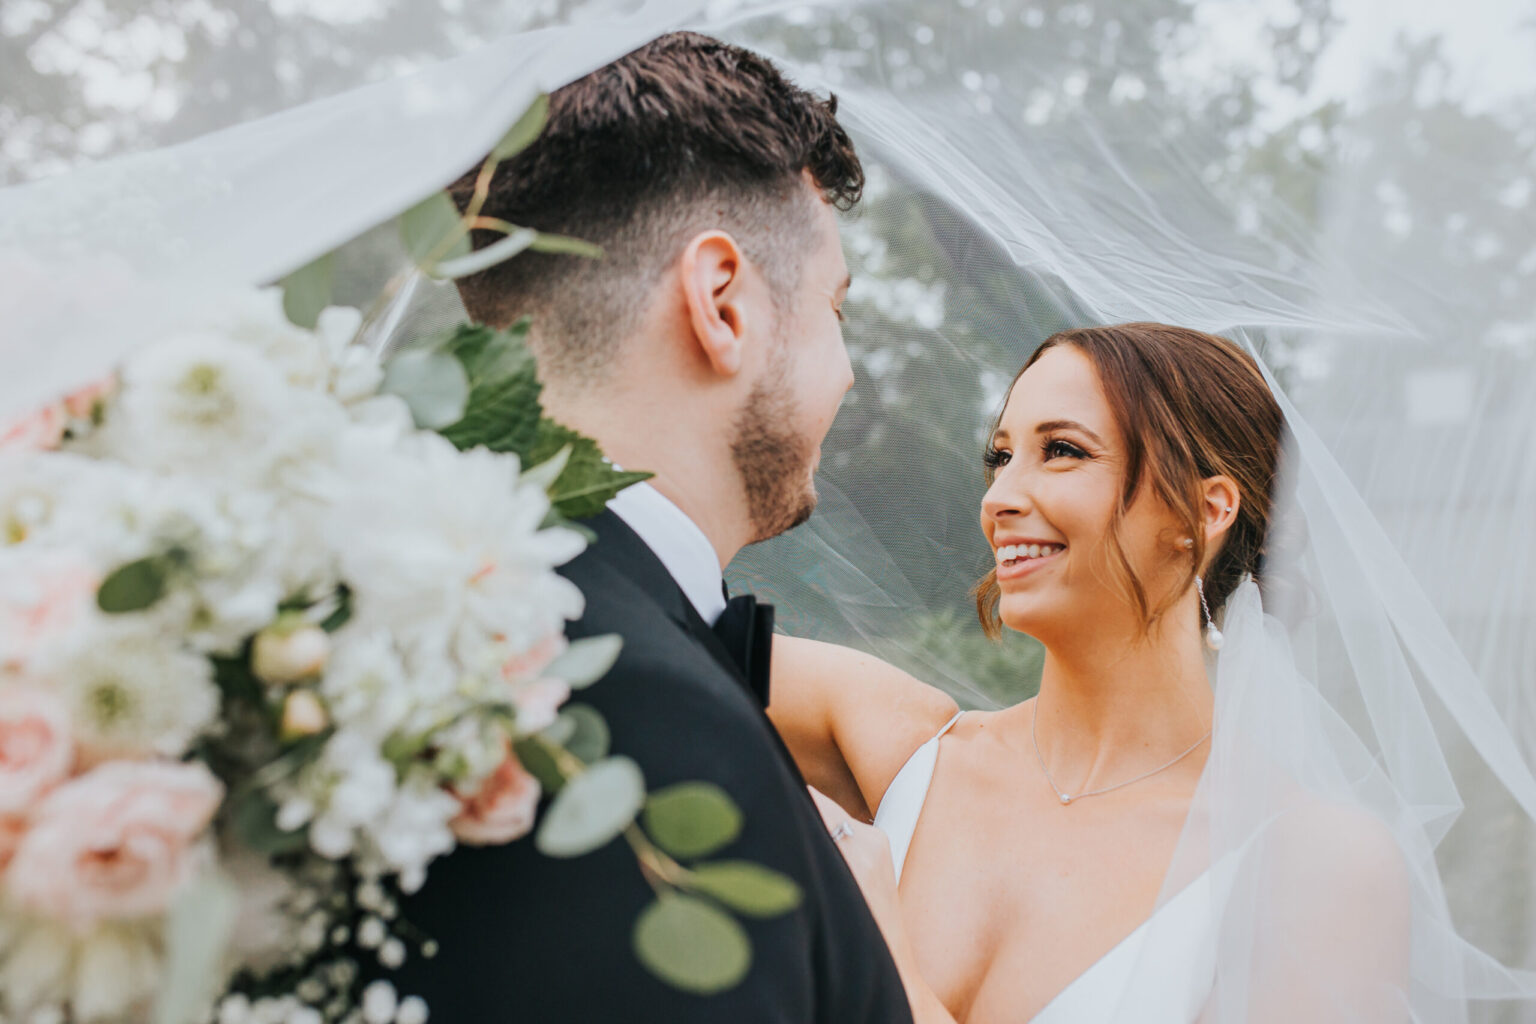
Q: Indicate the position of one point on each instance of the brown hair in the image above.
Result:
(682, 135)
(1190, 406)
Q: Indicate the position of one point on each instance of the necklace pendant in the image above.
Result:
(1065, 799)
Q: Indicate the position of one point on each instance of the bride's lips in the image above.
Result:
(1024, 566)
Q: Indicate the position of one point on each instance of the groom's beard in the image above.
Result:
(774, 464)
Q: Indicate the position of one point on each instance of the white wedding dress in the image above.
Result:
(1167, 980)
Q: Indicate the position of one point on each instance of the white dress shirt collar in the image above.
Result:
(677, 540)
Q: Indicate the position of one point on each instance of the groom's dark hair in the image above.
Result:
(680, 136)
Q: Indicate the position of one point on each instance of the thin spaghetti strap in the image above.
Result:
(947, 726)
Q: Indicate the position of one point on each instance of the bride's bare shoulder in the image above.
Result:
(878, 713)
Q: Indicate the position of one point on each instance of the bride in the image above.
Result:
(1131, 474)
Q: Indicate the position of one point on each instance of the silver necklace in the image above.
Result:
(1067, 798)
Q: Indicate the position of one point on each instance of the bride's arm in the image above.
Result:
(848, 718)
(868, 854)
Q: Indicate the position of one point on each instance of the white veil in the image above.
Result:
(1034, 165)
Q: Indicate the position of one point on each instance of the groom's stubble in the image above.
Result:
(774, 464)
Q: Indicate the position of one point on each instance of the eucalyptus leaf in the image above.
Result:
(534, 753)
(432, 383)
(307, 291)
(498, 251)
(564, 245)
(135, 586)
(691, 944)
(692, 819)
(587, 660)
(197, 933)
(592, 809)
(528, 127)
(588, 736)
(746, 888)
(425, 226)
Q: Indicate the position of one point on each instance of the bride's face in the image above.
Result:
(1058, 461)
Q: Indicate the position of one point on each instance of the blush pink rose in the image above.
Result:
(114, 843)
(39, 431)
(501, 810)
(36, 749)
(42, 600)
(82, 402)
(528, 664)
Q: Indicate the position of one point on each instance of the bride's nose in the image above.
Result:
(1004, 500)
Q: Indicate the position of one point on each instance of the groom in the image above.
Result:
(705, 346)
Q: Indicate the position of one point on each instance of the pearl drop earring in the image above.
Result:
(1213, 637)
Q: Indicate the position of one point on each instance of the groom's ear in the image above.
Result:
(713, 272)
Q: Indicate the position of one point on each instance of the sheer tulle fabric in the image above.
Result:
(1366, 817)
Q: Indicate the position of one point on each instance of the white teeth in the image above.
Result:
(1018, 552)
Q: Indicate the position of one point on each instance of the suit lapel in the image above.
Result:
(622, 550)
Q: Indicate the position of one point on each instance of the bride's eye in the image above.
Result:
(994, 458)
(1056, 448)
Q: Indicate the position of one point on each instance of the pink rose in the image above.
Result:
(36, 750)
(41, 599)
(39, 431)
(117, 842)
(528, 664)
(81, 403)
(537, 699)
(501, 810)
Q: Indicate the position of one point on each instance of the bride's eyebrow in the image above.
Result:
(1053, 425)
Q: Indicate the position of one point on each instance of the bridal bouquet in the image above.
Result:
(257, 625)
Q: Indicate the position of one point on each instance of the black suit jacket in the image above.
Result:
(525, 937)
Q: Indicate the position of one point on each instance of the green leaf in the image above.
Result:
(433, 384)
(692, 819)
(589, 481)
(592, 809)
(197, 933)
(342, 614)
(746, 888)
(488, 256)
(253, 816)
(236, 681)
(547, 472)
(534, 754)
(564, 245)
(424, 227)
(691, 944)
(135, 586)
(503, 410)
(307, 291)
(587, 660)
(528, 127)
(588, 735)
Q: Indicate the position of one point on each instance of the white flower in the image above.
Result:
(115, 968)
(379, 1003)
(365, 685)
(348, 788)
(453, 547)
(414, 831)
(195, 402)
(133, 691)
(110, 974)
(262, 937)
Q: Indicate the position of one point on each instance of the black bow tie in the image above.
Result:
(746, 630)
